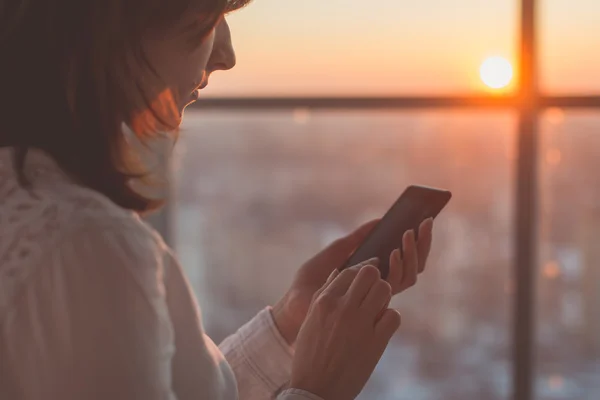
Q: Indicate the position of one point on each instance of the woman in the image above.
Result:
(93, 305)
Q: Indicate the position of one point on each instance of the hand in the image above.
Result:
(345, 334)
(405, 270)
(290, 311)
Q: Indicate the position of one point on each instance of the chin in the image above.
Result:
(182, 114)
(185, 106)
(182, 111)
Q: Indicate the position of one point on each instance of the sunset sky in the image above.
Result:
(402, 47)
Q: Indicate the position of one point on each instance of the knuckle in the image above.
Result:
(369, 273)
(317, 295)
(394, 321)
(391, 321)
(383, 287)
(349, 272)
(326, 302)
(411, 280)
(348, 310)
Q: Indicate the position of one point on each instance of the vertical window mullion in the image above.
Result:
(525, 262)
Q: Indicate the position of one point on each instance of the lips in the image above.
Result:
(200, 86)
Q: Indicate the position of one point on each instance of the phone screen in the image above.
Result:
(414, 206)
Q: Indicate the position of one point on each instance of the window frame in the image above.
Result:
(528, 103)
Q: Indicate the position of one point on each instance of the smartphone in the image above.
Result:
(414, 206)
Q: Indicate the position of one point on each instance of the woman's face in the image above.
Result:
(186, 67)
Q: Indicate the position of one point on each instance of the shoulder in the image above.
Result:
(67, 222)
(42, 217)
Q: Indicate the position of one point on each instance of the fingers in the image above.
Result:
(387, 325)
(424, 243)
(410, 261)
(359, 289)
(378, 297)
(373, 261)
(404, 269)
(396, 271)
(339, 287)
(332, 276)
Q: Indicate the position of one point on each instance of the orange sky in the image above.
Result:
(401, 47)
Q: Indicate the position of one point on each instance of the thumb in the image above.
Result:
(385, 328)
(351, 241)
(387, 324)
(333, 275)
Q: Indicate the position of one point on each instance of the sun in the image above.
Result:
(496, 72)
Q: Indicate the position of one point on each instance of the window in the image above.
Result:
(569, 43)
(286, 153)
(268, 189)
(568, 334)
(350, 48)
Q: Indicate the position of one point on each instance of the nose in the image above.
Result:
(223, 55)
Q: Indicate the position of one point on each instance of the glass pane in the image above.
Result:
(259, 193)
(346, 47)
(568, 332)
(569, 46)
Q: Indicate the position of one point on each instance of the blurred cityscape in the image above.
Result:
(258, 193)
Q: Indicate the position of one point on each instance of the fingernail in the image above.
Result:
(428, 224)
(333, 274)
(397, 255)
(373, 261)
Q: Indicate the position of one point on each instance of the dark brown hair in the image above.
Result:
(58, 76)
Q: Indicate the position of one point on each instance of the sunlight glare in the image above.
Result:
(496, 72)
